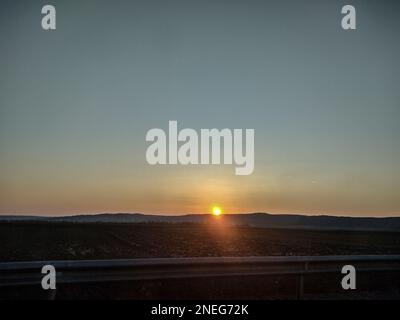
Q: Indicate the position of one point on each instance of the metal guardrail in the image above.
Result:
(86, 271)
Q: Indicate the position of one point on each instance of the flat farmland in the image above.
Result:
(23, 241)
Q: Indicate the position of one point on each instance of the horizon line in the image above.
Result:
(188, 214)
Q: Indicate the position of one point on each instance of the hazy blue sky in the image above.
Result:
(76, 103)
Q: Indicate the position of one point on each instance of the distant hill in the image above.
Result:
(261, 220)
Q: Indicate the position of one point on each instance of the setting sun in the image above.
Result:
(216, 211)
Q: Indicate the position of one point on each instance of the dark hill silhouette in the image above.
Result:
(261, 220)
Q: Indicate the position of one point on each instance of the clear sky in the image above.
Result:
(76, 103)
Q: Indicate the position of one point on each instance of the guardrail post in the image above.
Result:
(300, 287)
(300, 284)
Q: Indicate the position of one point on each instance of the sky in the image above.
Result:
(76, 103)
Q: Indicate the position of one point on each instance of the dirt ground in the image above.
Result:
(60, 241)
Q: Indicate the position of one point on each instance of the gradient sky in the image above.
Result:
(76, 103)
